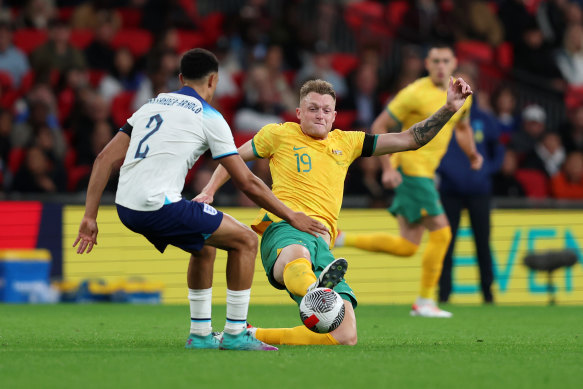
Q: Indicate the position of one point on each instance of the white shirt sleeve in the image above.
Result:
(218, 134)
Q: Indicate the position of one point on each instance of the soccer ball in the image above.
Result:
(322, 310)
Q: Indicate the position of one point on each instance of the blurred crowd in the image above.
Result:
(72, 72)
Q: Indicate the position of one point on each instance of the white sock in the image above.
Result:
(200, 311)
(237, 307)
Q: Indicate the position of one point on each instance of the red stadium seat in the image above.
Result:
(212, 25)
(65, 13)
(121, 107)
(505, 55)
(190, 39)
(396, 10)
(534, 182)
(95, 76)
(130, 17)
(16, 158)
(137, 40)
(344, 120)
(28, 39)
(344, 63)
(81, 38)
(474, 51)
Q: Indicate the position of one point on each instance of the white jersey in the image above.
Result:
(168, 134)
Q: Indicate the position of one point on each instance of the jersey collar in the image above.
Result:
(188, 91)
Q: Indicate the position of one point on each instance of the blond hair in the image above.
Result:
(320, 87)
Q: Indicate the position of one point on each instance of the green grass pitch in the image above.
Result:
(129, 346)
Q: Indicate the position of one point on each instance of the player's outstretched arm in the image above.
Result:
(112, 153)
(257, 191)
(221, 175)
(421, 133)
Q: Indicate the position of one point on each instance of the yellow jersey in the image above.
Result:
(308, 174)
(413, 104)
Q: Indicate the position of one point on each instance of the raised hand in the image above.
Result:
(457, 93)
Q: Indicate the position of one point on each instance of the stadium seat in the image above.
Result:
(130, 17)
(137, 40)
(534, 182)
(395, 12)
(367, 16)
(81, 38)
(574, 97)
(121, 107)
(190, 39)
(474, 51)
(505, 55)
(344, 63)
(212, 25)
(28, 39)
(95, 76)
(344, 120)
(16, 158)
(65, 13)
(76, 174)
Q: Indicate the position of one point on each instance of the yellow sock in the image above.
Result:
(298, 276)
(432, 261)
(383, 242)
(294, 336)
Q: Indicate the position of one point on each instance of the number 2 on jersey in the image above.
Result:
(305, 161)
(158, 119)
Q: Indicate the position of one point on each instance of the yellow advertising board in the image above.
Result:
(376, 278)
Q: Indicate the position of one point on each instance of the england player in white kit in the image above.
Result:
(159, 144)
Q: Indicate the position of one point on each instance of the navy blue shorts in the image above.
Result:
(184, 224)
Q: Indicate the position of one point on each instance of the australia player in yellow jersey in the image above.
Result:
(416, 203)
(308, 165)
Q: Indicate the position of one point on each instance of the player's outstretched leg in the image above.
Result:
(331, 275)
(244, 341)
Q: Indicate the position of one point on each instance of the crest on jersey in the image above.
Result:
(208, 209)
(337, 152)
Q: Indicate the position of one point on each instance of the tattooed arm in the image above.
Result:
(421, 133)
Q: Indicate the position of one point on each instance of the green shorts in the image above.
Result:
(416, 197)
(281, 234)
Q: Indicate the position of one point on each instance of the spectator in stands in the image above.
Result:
(572, 131)
(568, 183)
(503, 102)
(474, 20)
(262, 104)
(158, 16)
(12, 59)
(90, 14)
(551, 17)
(425, 22)
(533, 127)
(514, 17)
(534, 58)
(319, 66)
(5, 131)
(504, 182)
(99, 53)
(547, 156)
(100, 136)
(229, 67)
(37, 14)
(40, 115)
(123, 77)
(279, 82)
(411, 68)
(569, 57)
(38, 174)
(161, 77)
(57, 54)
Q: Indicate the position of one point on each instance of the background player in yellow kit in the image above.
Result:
(308, 165)
(416, 203)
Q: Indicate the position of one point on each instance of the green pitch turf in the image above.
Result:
(128, 346)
